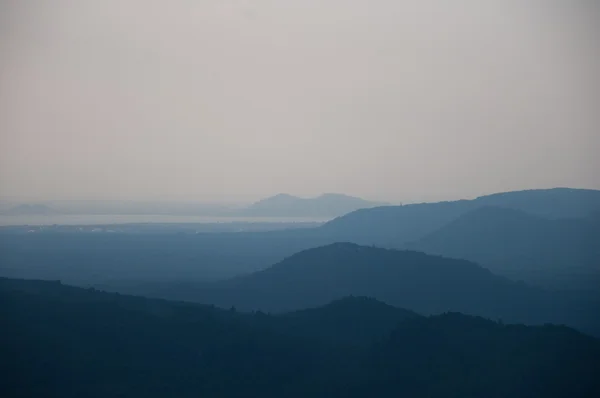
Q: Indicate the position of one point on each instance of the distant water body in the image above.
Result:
(104, 219)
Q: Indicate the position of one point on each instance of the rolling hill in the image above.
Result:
(423, 283)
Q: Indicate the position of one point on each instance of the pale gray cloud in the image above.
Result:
(219, 99)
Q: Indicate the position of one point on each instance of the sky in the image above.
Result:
(221, 100)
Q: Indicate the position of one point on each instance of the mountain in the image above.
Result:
(63, 341)
(559, 253)
(327, 205)
(394, 226)
(424, 283)
(30, 209)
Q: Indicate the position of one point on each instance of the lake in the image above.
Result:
(102, 219)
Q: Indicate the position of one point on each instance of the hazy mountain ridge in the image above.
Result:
(394, 226)
(547, 203)
(561, 253)
(326, 205)
(141, 258)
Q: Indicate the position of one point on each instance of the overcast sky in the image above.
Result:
(235, 100)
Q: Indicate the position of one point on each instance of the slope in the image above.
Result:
(351, 320)
(394, 226)
(555, 253)
(30, 209)
(454, 355)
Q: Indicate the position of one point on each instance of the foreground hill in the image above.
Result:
(424, 283)
(561, 253)
(327, 206)
(355, 320)
(474, 357)
(71, 342)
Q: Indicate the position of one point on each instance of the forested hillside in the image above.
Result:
(72, 342)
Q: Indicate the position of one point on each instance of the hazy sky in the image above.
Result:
(234, 100)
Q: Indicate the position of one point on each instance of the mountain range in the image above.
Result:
(423, 300)
(394, 226)
(126, 259)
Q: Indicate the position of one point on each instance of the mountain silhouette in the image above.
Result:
(326, 205)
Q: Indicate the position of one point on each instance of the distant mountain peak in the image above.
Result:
(327, 205)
